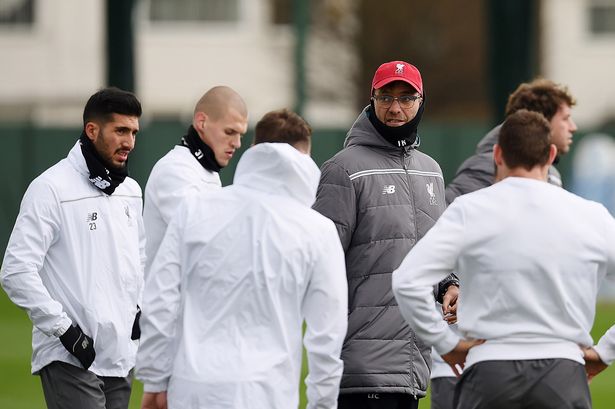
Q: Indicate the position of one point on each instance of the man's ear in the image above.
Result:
(552, 153)
(497, 155)
(91, 130)
(199, 120)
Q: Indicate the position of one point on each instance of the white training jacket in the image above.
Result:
(175, 176)
(236, 274)
(530, 258)
(77, 255)
(606, 346)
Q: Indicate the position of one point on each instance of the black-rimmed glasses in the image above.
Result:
(405, 101)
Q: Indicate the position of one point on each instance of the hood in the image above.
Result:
(362, 132)
(279, 169)
(486, 144)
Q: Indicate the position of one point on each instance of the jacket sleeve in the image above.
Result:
(606, 346)
(325, 308)
(432, 259)
(477, 172)
(161, 312)
(36, 229)
(336, 200)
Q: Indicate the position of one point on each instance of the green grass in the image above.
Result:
(20, 390)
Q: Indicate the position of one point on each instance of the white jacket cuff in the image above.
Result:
(448, 343)
(62, 327)
(156, 387)
(607, 355)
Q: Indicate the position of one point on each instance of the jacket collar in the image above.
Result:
(76, 159)
(362, 132)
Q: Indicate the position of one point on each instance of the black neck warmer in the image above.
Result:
(102, 175)
(400, 136)
(200, 150)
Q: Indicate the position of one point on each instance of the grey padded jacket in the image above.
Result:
(478, 171)
(382, 199)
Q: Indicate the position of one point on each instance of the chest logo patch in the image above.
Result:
(388, 189)
(91, 220)
(432, 195)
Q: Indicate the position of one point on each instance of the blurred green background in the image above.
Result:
(20, 390)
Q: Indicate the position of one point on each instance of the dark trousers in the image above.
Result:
(523, 384)
(68, 387)
(377, 401)
(443, 392)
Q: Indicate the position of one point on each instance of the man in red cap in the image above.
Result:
(383, 195)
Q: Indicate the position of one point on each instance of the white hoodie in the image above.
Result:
(530, 258)
(77, 255)
(175, 176)
(235, 276)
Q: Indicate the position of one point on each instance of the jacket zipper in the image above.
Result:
(412, 199)
(416, 233)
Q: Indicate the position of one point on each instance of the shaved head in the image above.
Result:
(216, 102)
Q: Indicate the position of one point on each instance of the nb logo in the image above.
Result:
(92, 216)
(388, 189)
(100, 182)
(198, 154)
(399, 69)
(432, 196)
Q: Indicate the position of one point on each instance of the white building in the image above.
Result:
(53, 59)
(578, 49)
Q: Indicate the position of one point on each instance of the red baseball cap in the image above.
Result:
(397, 71)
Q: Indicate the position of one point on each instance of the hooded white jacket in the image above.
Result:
(530, 258)
(236, 274)
(77, 255)
(175, 176)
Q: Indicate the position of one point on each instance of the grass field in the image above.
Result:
(20, 390)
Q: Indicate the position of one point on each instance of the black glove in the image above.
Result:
(136, 328)
(79, 344)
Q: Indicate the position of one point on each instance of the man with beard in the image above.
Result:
(220, 119)
(75, 261)
(383, 195)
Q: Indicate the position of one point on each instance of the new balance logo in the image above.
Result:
(100, 182)
(388, 189)
(432, 195)
(92, 217)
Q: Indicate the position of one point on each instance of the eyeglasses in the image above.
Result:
(405, 101)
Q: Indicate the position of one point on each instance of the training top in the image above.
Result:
(530, 258)
(175, 176)
(237, 273)
(76, 255)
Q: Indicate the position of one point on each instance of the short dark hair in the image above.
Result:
(282, 126)
(540, 95)
(108, 101)
(525, 140)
